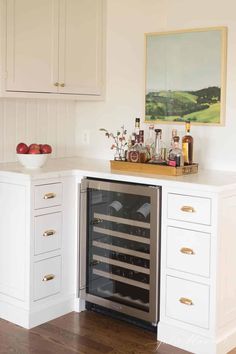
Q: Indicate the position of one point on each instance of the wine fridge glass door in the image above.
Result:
(121, 255)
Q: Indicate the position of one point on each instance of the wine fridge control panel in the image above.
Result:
(119, 264)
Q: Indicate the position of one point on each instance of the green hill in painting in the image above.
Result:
(197, 106)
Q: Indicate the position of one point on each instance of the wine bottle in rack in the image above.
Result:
(115, 208)
(143, 212)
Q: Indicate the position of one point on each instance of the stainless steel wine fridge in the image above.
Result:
(119, 247)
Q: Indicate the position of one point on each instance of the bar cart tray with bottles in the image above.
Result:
(153, 168)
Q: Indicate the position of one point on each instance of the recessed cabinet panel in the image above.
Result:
(47, 277)
(47, 232)
(187, 301)
(188, 251)
(32, 45)
(80, 65)
(189, 208)
(47, 195)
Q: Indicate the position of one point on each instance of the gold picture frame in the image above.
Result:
(186, 76)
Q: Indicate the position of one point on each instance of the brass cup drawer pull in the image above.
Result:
(62, 84)
(186, 250)
(186, 301)
(188, 209)
(49, 196)
(56, 84)
(48, 277)
(49, 233)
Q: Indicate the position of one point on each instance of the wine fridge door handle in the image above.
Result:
(96, 221)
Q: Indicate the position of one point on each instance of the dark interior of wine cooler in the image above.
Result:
(120, 316)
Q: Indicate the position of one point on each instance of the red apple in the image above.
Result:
(34, 151)
(34, 146)
(46, 149)
(22, 148)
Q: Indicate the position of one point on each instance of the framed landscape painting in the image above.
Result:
(185, 76)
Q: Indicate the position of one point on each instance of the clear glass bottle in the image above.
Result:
(150, 142)
(158, 145)
(137, 129)
(187, 145)
(176, 158)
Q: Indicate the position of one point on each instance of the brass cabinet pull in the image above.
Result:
(187, 250)
(56, 84)
(62, 84)
(48, 277)
(49, 233)
(49, 196)
(188, 209)
(186, 301)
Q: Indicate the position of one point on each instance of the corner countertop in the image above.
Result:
(208, 180)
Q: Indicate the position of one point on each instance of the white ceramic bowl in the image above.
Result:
(32, 161)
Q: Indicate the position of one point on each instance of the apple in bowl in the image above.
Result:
(33, 156)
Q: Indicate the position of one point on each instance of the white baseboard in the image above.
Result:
(14, 314)
(51, 312)
(29, 319)
(183, 339)
(193, 342)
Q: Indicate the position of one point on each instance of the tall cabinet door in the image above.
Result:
(80, 47)
(32, 45)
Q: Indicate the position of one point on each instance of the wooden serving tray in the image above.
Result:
(153, 168)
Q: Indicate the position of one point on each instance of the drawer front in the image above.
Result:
(187, 301)
(47, 232)
(189, 208)
(188, 251)
(48, 195)
(47, 277)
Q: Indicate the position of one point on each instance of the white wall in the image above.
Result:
(127, 21)
(36, 121)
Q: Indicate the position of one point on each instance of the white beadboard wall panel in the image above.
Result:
(37, 121)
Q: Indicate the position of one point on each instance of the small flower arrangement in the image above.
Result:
(119, 142)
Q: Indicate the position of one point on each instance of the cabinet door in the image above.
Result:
(32, 45)
(80, 46)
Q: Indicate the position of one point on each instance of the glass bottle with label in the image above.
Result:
(176, 158)
(150, 141)
(187, 145)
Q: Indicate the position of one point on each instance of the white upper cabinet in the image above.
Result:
(54, 46)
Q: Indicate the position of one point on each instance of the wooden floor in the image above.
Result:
(84, 333)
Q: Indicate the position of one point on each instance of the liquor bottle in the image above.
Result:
(157, 153)
(176, 158)
(137, 126)
(187, 145)
(150, 142)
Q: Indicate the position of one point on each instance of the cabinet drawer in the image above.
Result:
(188, 251)
(47, 232)
(187, 301)
(189, 208)
(47, 277)
(47, 195)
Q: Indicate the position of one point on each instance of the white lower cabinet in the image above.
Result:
(37, 249)
(198, 270)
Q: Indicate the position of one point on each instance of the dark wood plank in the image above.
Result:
(83, 333)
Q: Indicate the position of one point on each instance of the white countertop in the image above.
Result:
(205, 179)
